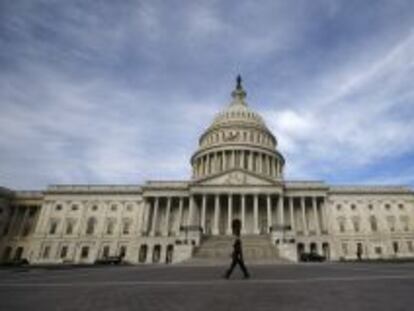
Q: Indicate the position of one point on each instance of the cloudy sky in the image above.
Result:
(119, 91)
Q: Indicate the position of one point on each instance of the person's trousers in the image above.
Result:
(240, 262)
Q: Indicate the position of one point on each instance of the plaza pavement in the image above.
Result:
(329, 286)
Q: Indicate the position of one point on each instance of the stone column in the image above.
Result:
(256, 214)
(281, 208)
(24, 220)
(190, 218)
(167, 217)
(323, 215)
(277, 168)
(292, 213)
(233, 159)
(269, 165)
(216, 214)
(203, 213)
(305, 227)
(269, 213)
(243, 213)
(250, 160)
(242, 155)
(224, 161)
(229, 213)
(315, 215)
(180, 214)
(154, 216)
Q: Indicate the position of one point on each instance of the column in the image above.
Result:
(281, 208)
(167, 217)
(243, 213)
(305, 227)
(269, 165)
(216, 214)
(242, 155)
(229, 213)
(315, 215)
(190, 211)
(180, 214)
(269, 213)
(256, 214)
(224, 161)
(154, 216)
(250, 161)
(233, 159)
(24, 220)
(323, 215)
(203, 213)
(277, 168)
(292, 214)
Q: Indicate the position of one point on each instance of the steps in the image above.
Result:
(216, 250)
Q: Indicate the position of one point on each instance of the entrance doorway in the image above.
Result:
(236, 226)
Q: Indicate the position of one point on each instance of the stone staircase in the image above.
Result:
(216, 250)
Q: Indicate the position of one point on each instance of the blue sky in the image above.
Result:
(119, 91)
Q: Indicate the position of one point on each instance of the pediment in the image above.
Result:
(236, 177)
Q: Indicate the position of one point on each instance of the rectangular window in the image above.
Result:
(378, 250)
(63, 252)
(46, 252)
(85, 252)
(53, 227)
(395, 247)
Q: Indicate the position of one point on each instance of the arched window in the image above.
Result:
(110, 226)
(90, 227)
(19, 253)
(7, 253)
(156, 253)
(53, 227)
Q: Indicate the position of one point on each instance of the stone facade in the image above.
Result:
(237, 174)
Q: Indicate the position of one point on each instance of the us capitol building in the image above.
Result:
(237, 176)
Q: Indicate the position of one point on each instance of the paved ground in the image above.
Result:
(353, 286)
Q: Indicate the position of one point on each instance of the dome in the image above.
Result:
(237, 139)
(238, 111)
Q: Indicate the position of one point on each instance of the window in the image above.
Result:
(126, 227)
(378, 250)
(401, 206)
(75, 207)
(129, 207)
(90, 227)
(338, 207)
(370, 207)
(341, 224)
(113, 207)
(355, 222)
(46, 252)
(122, 251)
(405, 222)
(105, 252)
(63, 252)
(58, 207)
(32, 212)
(69, 227)
(373, 223)
(94, 208)
(395, 247)
(353, 207)
(110, 227)
(387, 207)
(84, 252)
(53, 227)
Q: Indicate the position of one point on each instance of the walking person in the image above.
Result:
(237, 256)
